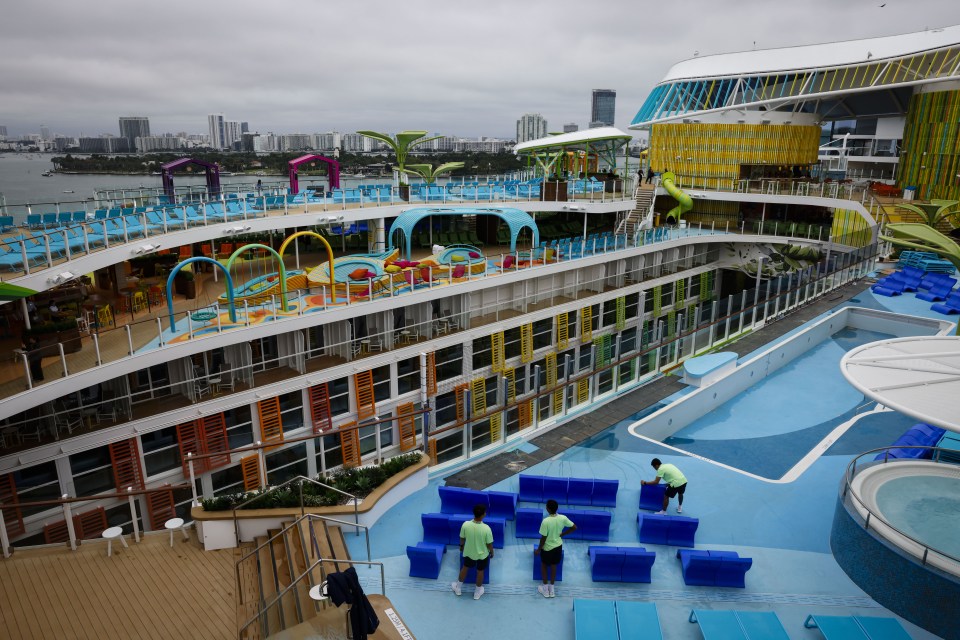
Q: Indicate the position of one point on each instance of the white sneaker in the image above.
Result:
(660, 513)
(478, 593)
(553, 592)
(543, 590)
(679, 509)
(456, 587)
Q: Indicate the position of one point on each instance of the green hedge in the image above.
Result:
(360, 481)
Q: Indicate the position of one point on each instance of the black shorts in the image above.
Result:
(673, 491)
(481, 565)
(551, 557)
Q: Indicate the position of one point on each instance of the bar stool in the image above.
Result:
(111, 534)
(172, 525)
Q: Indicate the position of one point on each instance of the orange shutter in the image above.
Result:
(250, 468)
(460, 391)
(271, 427)
(215, 440)
(125, 458)
(320, 408)
(160, 508)
(56, 532)
(12, 515)
(407, 427)
(350, 444)
(189, 438)
(431, 374)
(525, 413)
(363, 391)
(432, 451)
(90, 524)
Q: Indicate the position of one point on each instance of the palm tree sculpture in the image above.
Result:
(401, 144)
(428, 173)
(935, 212)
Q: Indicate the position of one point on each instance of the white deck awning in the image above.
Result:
(917, 376)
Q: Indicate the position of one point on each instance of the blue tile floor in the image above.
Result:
(783, 526)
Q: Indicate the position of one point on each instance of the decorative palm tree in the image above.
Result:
(935, 212)
(428, 173)
(401, 144)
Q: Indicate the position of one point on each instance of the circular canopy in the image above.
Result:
(917, 376)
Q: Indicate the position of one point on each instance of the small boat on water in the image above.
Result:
(47, 174)
(68, 190)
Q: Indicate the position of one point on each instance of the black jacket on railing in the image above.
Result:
(344, 586)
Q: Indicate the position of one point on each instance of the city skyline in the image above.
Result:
(372, 82)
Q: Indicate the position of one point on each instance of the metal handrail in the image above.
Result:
(356, 508)
(848, 491)
(278, 598)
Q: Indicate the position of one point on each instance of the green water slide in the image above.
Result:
(685, 202)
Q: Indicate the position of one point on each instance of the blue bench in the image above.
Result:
(678, 531)
(713, 568)
(616, 620)
(537, 575)
(857, 627)
(591, 524)
(425, 559)
(444, 528)
(499, 504)
(586, 492)
(739, 625)
(620, 564)
(471, 577)
(651, 496)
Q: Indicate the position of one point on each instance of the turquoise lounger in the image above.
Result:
(595, 620)
(857, 627)
(638, 620)
(738, 625)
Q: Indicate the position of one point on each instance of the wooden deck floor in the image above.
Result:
(146, 591)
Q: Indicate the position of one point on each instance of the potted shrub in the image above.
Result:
(554, 189)
(189, 284)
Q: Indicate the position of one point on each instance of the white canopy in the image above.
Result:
(577, 138)
(917, 376)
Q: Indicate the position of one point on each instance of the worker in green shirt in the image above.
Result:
(476, 545)
(552, 529)
(676, 483)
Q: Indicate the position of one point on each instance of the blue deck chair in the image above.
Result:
(6, 223)
(857, 627)
(34, 220)
(78, 216)
(738, 625)
(595, 620)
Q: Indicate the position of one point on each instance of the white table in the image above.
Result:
(172, 525)
(110, 535)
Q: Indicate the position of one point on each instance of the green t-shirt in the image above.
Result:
(476, 537)
(552, 527)
(671, 475)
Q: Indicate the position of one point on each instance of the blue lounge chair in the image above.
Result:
(738, 625)
(857, 627)
(949, 306)
(651, 496)
(537, 569)
(528, 523)
(595, 620)
(638, 620)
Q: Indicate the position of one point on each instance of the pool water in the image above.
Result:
(926, 508)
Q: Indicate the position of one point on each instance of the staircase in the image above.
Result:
(275, 562)
(645, 196)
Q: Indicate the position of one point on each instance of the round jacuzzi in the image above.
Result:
(918, 504)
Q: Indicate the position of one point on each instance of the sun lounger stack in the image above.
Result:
(936, 287)
(907, 279)
(925, 261)
(906, 446)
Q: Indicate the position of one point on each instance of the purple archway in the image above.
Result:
(333, 171)
(212, 170)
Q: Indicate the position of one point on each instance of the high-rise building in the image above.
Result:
(133, 127)
(44, 132)
(217, 134)
(603, 108)
(3, 132)
(571, 127)
(231, 133)
(531, 126)
(244, 127)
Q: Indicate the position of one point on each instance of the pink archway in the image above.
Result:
(333, 171)
(212, 170)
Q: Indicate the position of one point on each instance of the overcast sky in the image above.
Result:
(458, 68)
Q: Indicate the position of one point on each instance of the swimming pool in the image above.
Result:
(926, 508)
(767, 415)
